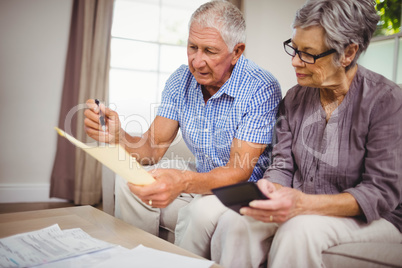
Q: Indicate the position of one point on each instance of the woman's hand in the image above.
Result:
(283, 203)
(93, 127)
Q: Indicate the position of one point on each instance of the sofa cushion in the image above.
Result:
(364, 255)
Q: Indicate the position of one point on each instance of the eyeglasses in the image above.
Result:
(304, 56)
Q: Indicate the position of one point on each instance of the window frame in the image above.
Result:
(397, 38)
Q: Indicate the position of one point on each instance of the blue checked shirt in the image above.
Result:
(244, 108)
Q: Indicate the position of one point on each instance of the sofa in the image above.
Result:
(367, 255)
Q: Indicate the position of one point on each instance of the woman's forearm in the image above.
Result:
(339, 205)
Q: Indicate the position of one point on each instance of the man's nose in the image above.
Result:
(199, 60)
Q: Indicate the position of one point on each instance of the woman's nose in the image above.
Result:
(296, 61)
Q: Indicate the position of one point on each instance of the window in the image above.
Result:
(384, 55)
(149, 39)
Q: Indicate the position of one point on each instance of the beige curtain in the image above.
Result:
(77, 176)
(94, 84)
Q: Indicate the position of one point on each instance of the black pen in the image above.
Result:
(101, 116)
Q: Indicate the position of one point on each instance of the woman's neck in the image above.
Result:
(338, 89)
(331, 97)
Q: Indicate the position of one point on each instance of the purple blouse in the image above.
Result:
(358, 151)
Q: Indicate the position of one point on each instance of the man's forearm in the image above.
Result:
(243, 158)
(139, 147)
(202, 183)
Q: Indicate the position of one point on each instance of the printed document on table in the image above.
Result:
(116, 158)
(140, 256)
(90, 260)
(52, 247)
(47, 245)
(145, 257)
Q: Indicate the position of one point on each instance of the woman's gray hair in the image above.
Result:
(225, 17)
(344, 21)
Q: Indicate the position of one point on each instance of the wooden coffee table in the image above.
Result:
(93, 221)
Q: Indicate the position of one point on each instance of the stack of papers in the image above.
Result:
(47, 245)
(52, 247)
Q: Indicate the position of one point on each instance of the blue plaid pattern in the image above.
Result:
(244, 108)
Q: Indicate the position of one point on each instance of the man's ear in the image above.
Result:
(349, 54)
(237, 52)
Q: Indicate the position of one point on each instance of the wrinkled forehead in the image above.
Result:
(202, 33)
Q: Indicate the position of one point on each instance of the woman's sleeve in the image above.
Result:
(282, 169)
(380, 189)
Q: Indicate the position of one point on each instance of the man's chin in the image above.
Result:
(201, 80)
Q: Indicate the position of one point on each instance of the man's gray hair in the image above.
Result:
(344, 21)
(224, 17)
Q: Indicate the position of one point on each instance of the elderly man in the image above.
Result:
(225, 107)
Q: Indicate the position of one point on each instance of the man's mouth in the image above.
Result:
(202, 73)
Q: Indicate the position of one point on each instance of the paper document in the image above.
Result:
(91, 260)
(52, 247)
(141, 256)
(145, 257)
(47, 245)
(116, 158)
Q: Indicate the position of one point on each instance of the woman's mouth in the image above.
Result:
(300, 75)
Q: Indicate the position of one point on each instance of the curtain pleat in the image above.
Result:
(63, 173)
(94, 84)
(76, 176)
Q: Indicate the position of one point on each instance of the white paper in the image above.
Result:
(88, 260)
(52, 247)
(145, 257)
(47, 245)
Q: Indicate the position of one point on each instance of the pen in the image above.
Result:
(101, 116)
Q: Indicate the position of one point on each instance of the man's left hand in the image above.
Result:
(167, 186)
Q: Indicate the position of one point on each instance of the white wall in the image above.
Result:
(33, 48)
(268, 24)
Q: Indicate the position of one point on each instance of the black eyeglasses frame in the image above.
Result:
(315, 57)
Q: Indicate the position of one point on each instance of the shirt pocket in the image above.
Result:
(224, 132)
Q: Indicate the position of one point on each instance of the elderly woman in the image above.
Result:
(337, 171)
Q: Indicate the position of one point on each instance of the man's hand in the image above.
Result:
(93, 127)
(169, 184)
(283, 203)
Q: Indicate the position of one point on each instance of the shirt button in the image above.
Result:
(311, 179)
(207, 156)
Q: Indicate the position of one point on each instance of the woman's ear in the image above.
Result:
(349, 54)
(237, 52)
